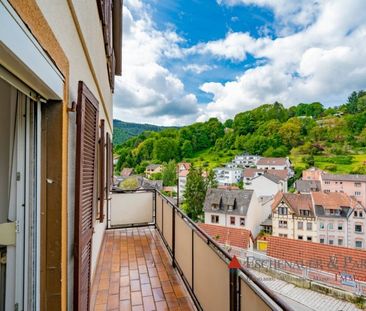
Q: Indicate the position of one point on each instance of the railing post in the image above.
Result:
(234, 293)
(173, 236)
(155, 198)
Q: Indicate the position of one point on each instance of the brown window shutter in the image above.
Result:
(85, 193)
(102, 177)
(108, 183)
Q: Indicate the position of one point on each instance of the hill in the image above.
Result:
(122, 131)
(332, 138)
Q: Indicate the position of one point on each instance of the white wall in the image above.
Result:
(264, 187)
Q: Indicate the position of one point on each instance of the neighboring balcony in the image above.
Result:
(156, 258)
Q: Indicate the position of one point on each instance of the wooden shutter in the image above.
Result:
(109, 165)
(102, 175)
(85, 193)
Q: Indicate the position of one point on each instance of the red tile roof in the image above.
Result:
(296, 201)
(186, 165)
(183, 173)
(231, 236)
(329, 258)
(333, 200)
(251, 172)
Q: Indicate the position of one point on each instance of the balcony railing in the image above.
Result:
(200, 261)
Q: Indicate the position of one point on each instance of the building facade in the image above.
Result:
(245, 160)
(227, 176)
(267, 185)
(58, 61)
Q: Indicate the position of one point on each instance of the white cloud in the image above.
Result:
(198, 68)
(322, 62)
(148, 91)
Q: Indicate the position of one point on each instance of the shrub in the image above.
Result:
(331, 167)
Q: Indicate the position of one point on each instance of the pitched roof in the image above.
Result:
(152, 166)
(251, 172)
(228, 197)
(296, 201)
(307, 186)
(186, 165)
(231, 236)
(348, 177)
(183, 173)
(272, 161)
(271, 177)
(333, 200)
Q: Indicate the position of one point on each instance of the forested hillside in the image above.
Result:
(331, 138)
(122, 131)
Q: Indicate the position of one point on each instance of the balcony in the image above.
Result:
(156, 258)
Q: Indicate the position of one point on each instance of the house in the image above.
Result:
(233, 208)
(293, 217)
(312, 173)
(307, 186)
(227, 176)
(250, 173)
(267, 185)
(356, 227)
(153, 169)
(58, 61)
(353, 185)
(240, 239)
(332, 211)
(245, 160)
(127, 171)
(275, 164)
(183, 170)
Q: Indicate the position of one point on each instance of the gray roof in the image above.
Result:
(152, 184)
(348, 177)
(228, 197)
(267, 222)
(152, 166)
(319, 211)
(307, 186)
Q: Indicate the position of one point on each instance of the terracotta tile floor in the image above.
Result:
(135, 273)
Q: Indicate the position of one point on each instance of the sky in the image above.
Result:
(186, 61)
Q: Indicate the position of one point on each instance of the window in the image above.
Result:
(357, 193)
(355, 214)
(282, 224)
(309, 226)
(300, 237)
(321, 225)
(327, 182)
(330, 226)
(326, 191)
(340, 242)
(242, 221)
(232, 220)
(214, 219)
(282, 210)
(360, 214)
(321, 240)
(340, 226)
(330, 242)
(357, 184)
(300, 225)
(358, 228)
(282, 235)
(358, 244)
(309, 238)
(304, 212)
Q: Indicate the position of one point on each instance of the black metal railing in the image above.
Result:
(199, 259)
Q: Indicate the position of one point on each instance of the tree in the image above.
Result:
(195, 193)
(211, 181)
(170, 174)
(165, 149)
(290, 132)
(187, 149)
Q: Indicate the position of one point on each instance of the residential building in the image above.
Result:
(183, 170)
(307, 186)
(237, 238)
(312, 173)
(153, 169)
(126, 172)
(227, 176)
(275, 164)
(353, 185)
(245, 160)
(293, 217)
(332, 211)
(356, 228)
(58, 61)
(250, 173)
(233, 208)
(267, 185)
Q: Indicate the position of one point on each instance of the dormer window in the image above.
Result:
(304, 212)
(282, 210)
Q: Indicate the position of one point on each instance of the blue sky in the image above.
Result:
(187, 61)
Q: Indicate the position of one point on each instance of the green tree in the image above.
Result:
(165, 149)
(187, 149)
(211, 181)
(195, 193)
(170, 174)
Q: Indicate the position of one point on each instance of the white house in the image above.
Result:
(227, 176)
(245, 160)
(183, 170)
(275, 164)
(357, 227)
(234, 208)
(267, 185)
